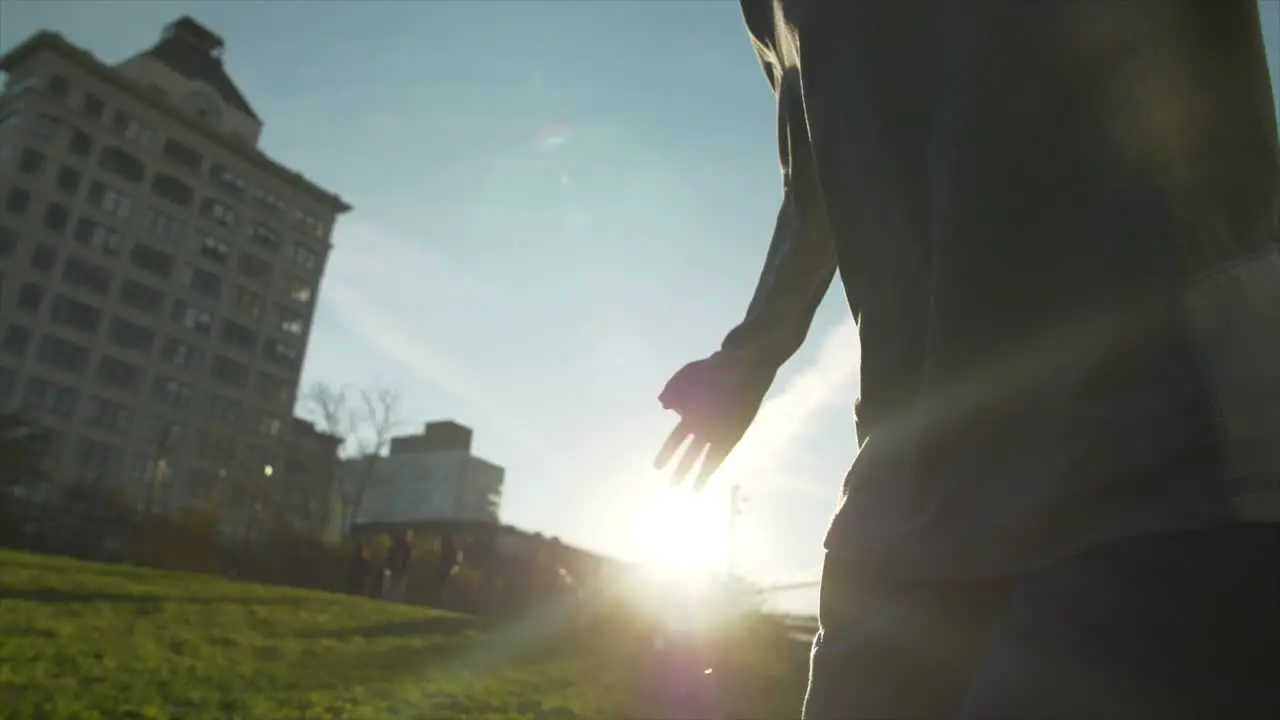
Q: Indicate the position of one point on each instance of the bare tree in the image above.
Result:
(365, 420)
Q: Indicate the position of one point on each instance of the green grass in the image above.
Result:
(85, 640)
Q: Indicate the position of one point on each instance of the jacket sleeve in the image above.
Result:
(801, 260)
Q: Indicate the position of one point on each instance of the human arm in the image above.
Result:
(798, 269)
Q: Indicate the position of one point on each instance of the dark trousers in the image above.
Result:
(1172, 627)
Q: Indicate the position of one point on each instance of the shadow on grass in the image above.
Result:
(49, 595)
(440, 625)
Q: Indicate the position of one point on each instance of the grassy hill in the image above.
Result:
(84, 640)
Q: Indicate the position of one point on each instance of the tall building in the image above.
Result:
(158, 272)
(307, 484)
(431, 476)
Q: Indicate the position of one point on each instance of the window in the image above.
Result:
(68, 180)
(211, 248)
(220, 213)
(31, 162)
(164, 225)
(58, 354)
(44, 257)
(163, 434)
(182, 154)
(30, 297)
(87, 275)
(228, 371)
(59, 88)
(312, 225)
(122, 163)
(8, 241)
(112, 372)
(228, 179)
(238, 336)
(107, 415)
(201, 282)
(290, 322)
(171, 189)
(134, 130)
(81, 144)
(18, 200)
(16, 340)
(247, 301)
(282, 354)
(173, 393)
(253, 267)
(111, 200)
(266, 238)
(131, 335)
(191, 317)
(75, 314)
(140, 297)
(268, 201)
(269, 425)
(93, 106)
(56, 217)
(44, 396)
(221, 409)
(100, 237)
(95, 459)
(300, 291)
(181, 353)
(46, 127)
(215, 446)
(142, 134)
(153, 260)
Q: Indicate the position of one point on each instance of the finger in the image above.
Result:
(673, 443)
(689, 459)
(711, 461)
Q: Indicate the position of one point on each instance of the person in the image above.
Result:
(396, 568)
(445, 568)
(358, 571)
(1055, 223)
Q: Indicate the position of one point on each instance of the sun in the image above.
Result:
(682, 533)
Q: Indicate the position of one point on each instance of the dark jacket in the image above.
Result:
(1056, 225)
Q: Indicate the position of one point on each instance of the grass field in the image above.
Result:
(84, 640)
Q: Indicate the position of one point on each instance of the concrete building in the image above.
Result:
(431, 476)
(307, 483)
(158, 272)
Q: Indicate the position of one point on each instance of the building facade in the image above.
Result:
(307, 484)
(158, 272)
(431, 476)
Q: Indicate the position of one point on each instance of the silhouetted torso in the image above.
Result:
(1046, 217)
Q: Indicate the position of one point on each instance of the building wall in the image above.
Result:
(187, 273)
(440, 485)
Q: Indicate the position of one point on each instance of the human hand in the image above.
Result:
(717, 398)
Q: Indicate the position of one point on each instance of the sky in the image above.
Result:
(540, 292)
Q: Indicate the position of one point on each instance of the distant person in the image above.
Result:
(359, 571)
(1055, 223)
(448, 558)
(446, 566)
(396, 567)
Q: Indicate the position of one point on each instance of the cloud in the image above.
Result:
(830, 380)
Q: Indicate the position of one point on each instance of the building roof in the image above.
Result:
(181, 51)
(52, 42)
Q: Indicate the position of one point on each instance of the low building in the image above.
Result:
(430, 476)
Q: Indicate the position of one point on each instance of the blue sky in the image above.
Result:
(541, 296)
